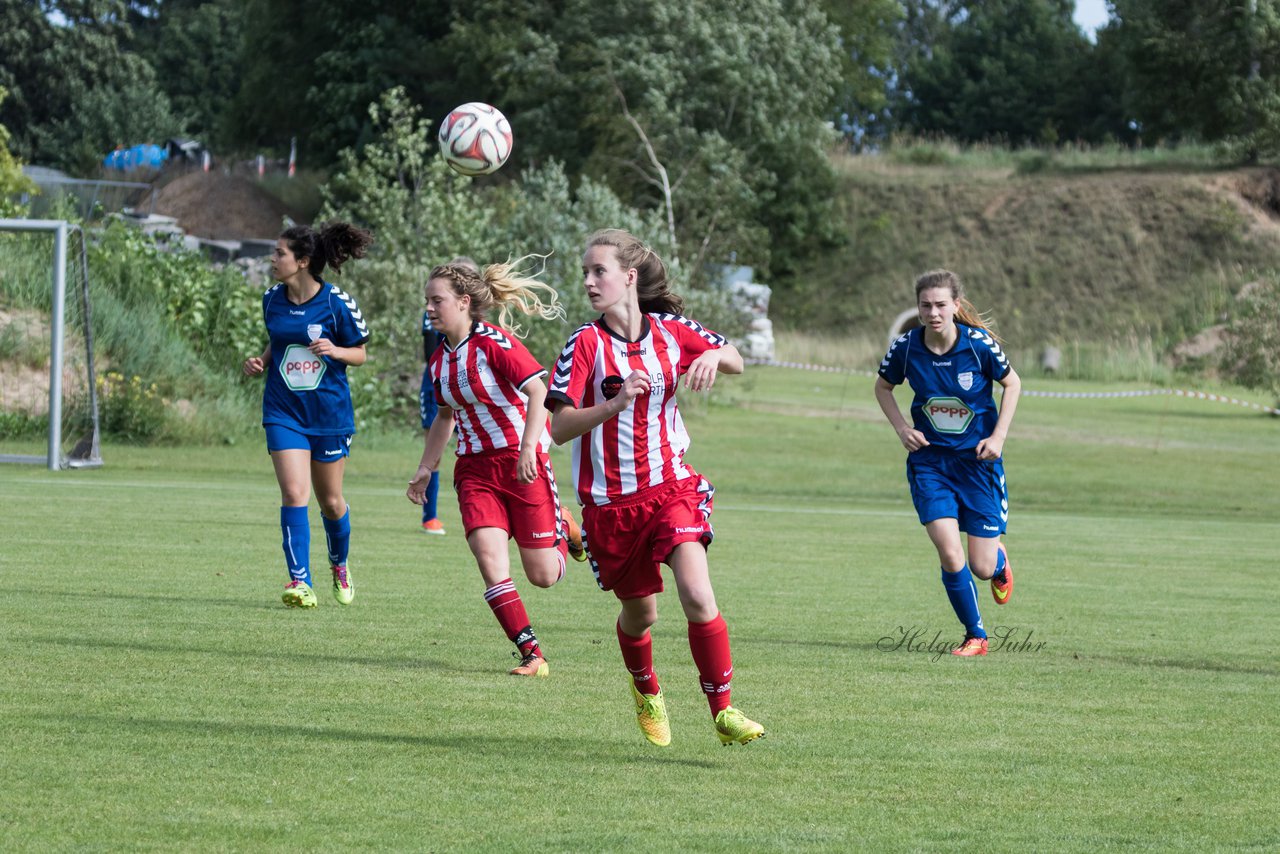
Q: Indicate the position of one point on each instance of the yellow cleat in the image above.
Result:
(733, 726)
(298, 594)
(1002, 592)
(651, 714)
(343, 589)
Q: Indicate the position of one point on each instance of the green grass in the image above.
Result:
(157, 695)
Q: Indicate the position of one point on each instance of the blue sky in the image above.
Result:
(1090, 14)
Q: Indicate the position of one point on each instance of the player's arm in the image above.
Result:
(255, 365)
(701, 375)
(535, 419)
(992, 447)
(569, 422)
(433, 448)
(911, 438)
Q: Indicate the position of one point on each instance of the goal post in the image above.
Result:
(87, 452)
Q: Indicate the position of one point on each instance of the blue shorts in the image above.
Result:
(324, 449)
(960, 487)
(427, 406)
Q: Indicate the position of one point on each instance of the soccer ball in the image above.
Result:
(475, 139)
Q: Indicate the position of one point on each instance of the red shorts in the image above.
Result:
(628, 541)
(489, 496)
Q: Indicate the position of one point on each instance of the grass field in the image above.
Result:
(158, 696)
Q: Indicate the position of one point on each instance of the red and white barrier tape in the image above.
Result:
(1198, 395)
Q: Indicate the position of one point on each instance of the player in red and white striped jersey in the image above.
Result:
(614, 393)
(490, 385)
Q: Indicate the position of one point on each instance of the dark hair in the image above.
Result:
(965, 312)
(333, 245)
(653, 291)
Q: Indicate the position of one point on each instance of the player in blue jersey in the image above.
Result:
(955, 441)
(315, 331)
(428, 408)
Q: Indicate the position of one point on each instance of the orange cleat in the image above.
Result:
(971, 646)
(531, 665)
(577, 550)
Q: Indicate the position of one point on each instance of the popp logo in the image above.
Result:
(948, 414)
(301, 369)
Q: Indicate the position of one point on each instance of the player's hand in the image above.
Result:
(990, 448)
(701, 375)
(253, 366)
(912, 439)
(633, 386)
(322, 347)
(527, 465)
(417, 491)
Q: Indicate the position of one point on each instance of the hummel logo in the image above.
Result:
(330, 453)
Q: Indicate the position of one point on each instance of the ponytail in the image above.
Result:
(505, 286)
(332, 245)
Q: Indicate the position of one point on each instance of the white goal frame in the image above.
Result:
(55, 459)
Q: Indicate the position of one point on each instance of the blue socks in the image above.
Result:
(337, 533)
(433, 491)
(295, 533)
(999, 576)
(964, 600)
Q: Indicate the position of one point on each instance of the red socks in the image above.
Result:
(709, 643)
(637, 655)
(507, 607)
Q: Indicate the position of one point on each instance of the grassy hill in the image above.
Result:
(1128, 257)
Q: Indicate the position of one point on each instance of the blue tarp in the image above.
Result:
(125, 159)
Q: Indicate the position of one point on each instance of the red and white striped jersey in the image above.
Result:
(481, 381)
(644, 445)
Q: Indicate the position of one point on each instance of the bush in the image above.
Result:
(1252, 354)
(130, 409)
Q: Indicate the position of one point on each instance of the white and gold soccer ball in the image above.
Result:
(475, 139)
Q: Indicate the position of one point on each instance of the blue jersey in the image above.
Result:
(306, 392)
(953, 406)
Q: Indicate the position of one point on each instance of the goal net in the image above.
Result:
(48, 395)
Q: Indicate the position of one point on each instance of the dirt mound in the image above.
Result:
(220, 207)
(1256, 194)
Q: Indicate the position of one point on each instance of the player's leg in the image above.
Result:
(957, 580)
(537, 525)
(709, 643)
(489, 545)
(328, 466)
(427, 410)
(636, 643)
(984, 516)
(934, 495)
(293, 473)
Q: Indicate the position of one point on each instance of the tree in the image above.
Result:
(310, 69)
(194, 47)
(77, 90)
(867, 32)
(1011, 70)
(12, 181)
(1203, 69)
(731, 99)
